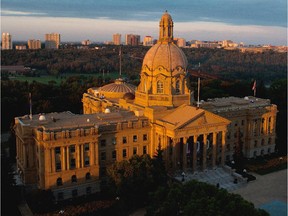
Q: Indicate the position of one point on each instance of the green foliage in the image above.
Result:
(133, 179)
(197, 198)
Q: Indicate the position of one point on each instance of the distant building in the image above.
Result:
(34, 44)
(86, 42)
(133, 40)
(20, 47)
(147, 41)
(204, 44)
(229, 43)
(52, 41)
(6, 41)
(181, 42)
(117, 39)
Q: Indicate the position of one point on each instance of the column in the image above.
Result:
(78, 164)
(195, 137)
(91, 151)
(67, 159)
(214, 149)
(185, 153)
(223, 148)
(174, 159)
(63, 158)
(204, 151)
(96, 153)
(53, 167)
(47, 160)
(82, 155)
(24, 155)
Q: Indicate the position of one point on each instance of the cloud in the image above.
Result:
(19, 13)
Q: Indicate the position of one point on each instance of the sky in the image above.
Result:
(249, 21)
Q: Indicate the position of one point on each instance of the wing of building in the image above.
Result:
(69, 153)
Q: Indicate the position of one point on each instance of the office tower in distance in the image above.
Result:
(34, 44)
(148, 41)
(52, 41)
(132, 39)
(6, 41)
(117, 39)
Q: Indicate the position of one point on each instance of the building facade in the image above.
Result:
(147, 41)
(6, 41)
(117, 39)
(69, 153)
(132, 40)
(34, 44)
(52, 41)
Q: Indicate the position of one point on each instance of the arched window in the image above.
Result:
(262, 142)
(88, 176)
(74, 178)
(160, 87)
(177, 88)
(59, 181)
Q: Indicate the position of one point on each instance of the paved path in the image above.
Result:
(266, 188)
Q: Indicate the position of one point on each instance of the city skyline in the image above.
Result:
(246, 21)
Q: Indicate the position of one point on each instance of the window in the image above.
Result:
(59, 181)
(134, 138)
(114, 154)
(86, 147)
(134, 150)
(262, 142)
(58, 166)
(124, 140)
(57, 150)
(145, 137)
(144, 150)
(72, 149)
(103, 156)
(72, 163)
(160, 87)
(74, 193)
(124, 153)
(88, 190)
(74, 178)
(114, 141)
(103, 143)
(86, 161)
(255, 143)
(177, 86)
(88, 176)
(242, 122)
(269, 141)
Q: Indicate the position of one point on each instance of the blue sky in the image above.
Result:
(250, 21)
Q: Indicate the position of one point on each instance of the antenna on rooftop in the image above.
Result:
(30, 104)
(198, 92)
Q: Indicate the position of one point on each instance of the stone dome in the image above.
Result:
(129, 96)
(166, 55)
(117, 89)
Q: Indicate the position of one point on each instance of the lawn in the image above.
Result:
(45, 79)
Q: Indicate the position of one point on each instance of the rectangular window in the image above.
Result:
(114, 154)
(134, 138)
(124, 153)
(57, 150)
(58, 166)
(134, 150)
(124, 140)
(86, 161)
(145, 137)
(243, 122)
(72, 149)
(103, 143)
(144, 150)
(114, 141)
(103, 156)
(72, 163)
(86, 147)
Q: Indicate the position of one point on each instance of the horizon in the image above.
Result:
(252, 22)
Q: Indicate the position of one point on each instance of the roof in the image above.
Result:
(118, 86)
(189, 116)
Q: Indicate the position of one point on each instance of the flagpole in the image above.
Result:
(30, 104)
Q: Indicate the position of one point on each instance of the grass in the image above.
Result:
(45, 79)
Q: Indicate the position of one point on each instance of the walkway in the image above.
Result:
(222, 176)
(267, 192)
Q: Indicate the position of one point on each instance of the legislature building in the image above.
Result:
(68, 153)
